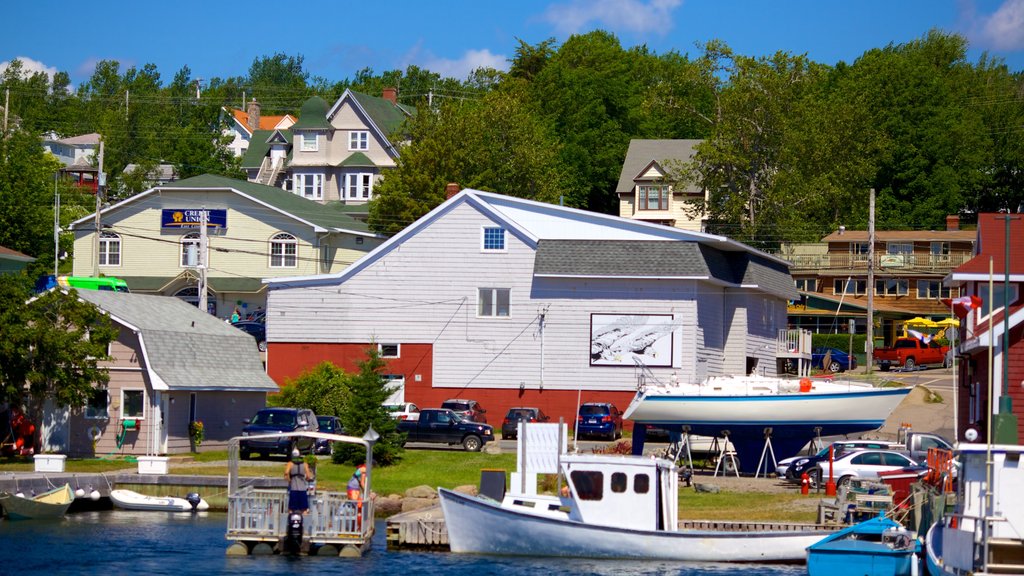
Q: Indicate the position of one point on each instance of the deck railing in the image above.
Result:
(908, 262)
(261, 514)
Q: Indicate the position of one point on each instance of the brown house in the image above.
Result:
(909, 267)
(979, 334)
(172, 365)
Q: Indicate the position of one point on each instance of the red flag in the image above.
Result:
(963, 305)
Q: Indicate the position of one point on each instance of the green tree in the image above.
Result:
(27, 178)
(365, 408)
(324, 389)
(50, 348)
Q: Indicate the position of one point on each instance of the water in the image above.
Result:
(148, 543)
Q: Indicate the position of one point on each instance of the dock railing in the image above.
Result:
(262, 515)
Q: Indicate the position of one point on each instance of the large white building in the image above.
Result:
(517, 303)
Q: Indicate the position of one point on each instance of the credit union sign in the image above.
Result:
(191, 217)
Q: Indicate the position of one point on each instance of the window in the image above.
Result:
(493, 302)
(892, 287)
(190, 250)
(932, 289)
(359, 140)
(493, 239)
(388, 350)
(133, 404)
(641, 483)
(618, 482)
(97, 406)
(899, 248)
(939, 249)
(309, 142)
(589, 485)
(310, 186)
(996, 301)
(859, 249)
(283, 251)
(850, 287)
(110, 249)
(806, 284)
(359, 185)
(654, 197)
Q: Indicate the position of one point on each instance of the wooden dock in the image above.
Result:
(422, 529)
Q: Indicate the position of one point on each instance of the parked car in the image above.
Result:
(271, 420)
(257, 330)
(793, 468)
(599, 419)
(468, 409)
(330, 425)
(403, 411)
(863, 464)
(443, 426)
(510, 425)
(910, 353)
(838, 360)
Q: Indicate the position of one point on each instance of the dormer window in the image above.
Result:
(359, 140)
(653, 197)
(310, 142)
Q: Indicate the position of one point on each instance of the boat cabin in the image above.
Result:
(627, 492)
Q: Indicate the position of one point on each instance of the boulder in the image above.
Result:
(492, 448)
(410, 504)
(708, 488)
(388, 506)
(422, 491)
(468, 489)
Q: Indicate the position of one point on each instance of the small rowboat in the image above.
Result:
(130, 500)
(51, 504)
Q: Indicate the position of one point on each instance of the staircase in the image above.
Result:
(269, 172)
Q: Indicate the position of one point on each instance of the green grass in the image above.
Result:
(745, 506)
(81, 465)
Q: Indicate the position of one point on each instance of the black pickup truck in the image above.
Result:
(446, 427)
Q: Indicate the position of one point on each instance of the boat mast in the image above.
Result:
(871, 282)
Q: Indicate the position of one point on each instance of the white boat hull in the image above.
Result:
(130, 500)
(478, 526)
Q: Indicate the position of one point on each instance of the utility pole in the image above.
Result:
(203, 259)
(56, 228)
(1006, 420)
(101, 180)
(126, 105)
(7, 106)
(871, 282)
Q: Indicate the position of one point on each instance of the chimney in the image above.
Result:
(254, 115)
(451, 189)
(391, 95)
(952, 223)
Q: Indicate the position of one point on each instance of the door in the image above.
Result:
(396, 384)
(164, 418)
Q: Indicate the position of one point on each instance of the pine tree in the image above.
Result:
(365, 408)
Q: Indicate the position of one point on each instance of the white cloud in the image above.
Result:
(636, 16)
(30, 66)
(470, 61)
(1001, 30)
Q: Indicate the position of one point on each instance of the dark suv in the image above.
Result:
(599, 419)
(468, 409)
(271, 420)
(510, 425)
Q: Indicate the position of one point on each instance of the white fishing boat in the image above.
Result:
(794, 412)
(611, 507)
(51, 504)
(131, 500)
(985, 532)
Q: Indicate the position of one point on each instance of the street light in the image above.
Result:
(371, 437)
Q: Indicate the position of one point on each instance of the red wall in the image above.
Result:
(289, 360)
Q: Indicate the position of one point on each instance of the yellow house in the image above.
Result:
(648, 189)
(153, 242)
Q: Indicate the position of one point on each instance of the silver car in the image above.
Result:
(864, 465)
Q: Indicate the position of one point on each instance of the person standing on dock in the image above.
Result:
(357, 483)
(298, 475)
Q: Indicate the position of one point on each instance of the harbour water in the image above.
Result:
(120, 542)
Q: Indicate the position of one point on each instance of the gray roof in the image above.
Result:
(660, 259)
(642, 152)
(188, 349)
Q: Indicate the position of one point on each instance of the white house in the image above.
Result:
(513, 302)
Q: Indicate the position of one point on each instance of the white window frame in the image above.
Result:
(359, 185)
(314, 181)
(809, 284)
(125, 416)
(925, 286)
(308, 146)
(997, 306)
(88, 412)
(397, 354)
(899, 287)
(280, 242)
(110, 245)
(857, 286)
(359, 140)
(192, 238)
(899, 247)
(495, 301)
(483, 239)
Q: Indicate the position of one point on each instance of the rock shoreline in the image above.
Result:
(415, 498)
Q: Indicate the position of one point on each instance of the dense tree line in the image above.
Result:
(791, 148)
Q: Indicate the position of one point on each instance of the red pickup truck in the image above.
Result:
(911, 352)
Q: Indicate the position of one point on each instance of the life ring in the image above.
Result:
(94, 433)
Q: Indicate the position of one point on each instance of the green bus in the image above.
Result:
(91, 283)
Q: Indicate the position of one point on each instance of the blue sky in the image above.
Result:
(452, 37)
